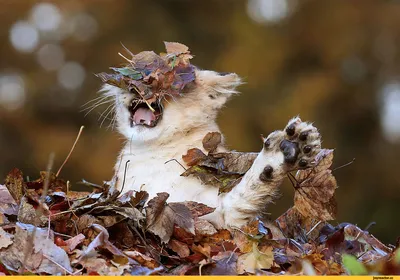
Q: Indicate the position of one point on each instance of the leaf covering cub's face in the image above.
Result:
(196, 106)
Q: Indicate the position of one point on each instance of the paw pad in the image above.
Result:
(267, 173)
(299, 143)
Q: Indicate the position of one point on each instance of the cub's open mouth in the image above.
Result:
(141, 114)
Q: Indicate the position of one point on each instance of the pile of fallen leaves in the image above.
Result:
(47, 229)
(152, 77)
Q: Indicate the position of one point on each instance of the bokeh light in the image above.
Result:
(390, 112)
(46, 16)
(83, 27)
(50, 57)
(71, 76)
(264, 11)
(24, 36)
(12, 91)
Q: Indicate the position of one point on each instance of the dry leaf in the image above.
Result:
(255, 260)
(211, 141)
(225, 263)
(315, 189)
(45, 256)
(5, 239)
(15, 184)
(8, 205)
(73, 242)
(193, 156)
(180, 248)
(161, 217)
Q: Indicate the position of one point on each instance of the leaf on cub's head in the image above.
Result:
(315, 189)
(154, 76)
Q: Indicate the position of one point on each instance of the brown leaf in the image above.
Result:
(294, 225)
(211, 141)
(315, 189)
(198, 209)
(203, 228)
(180, 248)
(175, 48)
(85, 221)
(15, 184)
(135, 199)
(182, 235)
(142, 259)
(155, 207)
(193, 157)
(205, 249)
(236, 162)
(182, 216)
(161, 217)
(225, 263)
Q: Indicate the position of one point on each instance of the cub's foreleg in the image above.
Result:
(291, 149)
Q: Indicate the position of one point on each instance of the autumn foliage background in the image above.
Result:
(334, 62)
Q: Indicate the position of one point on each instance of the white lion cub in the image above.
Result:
(153, 138)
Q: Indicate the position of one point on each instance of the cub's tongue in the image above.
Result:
(144, 116)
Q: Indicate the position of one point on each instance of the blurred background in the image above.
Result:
(334, 62)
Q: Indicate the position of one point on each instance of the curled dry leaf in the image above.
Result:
(315, 189)
(73, 242)
(101, 240)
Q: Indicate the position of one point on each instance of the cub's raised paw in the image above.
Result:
(293, 148)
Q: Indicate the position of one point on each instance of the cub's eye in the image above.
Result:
(223, 73)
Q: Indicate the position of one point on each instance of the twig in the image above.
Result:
(127, 59)
(70, 152)
(311, 230)
(344, 165)
(123, 181)
(176, 162)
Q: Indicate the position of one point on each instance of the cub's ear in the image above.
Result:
(216, 87)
